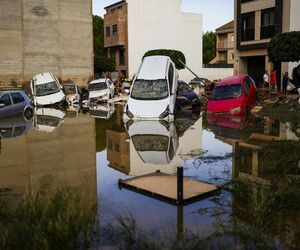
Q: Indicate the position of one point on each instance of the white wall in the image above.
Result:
(156, 24)
(216, 73)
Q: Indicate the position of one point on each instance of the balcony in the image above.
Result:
(267, 31)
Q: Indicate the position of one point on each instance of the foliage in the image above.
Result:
(175, 55)
(58, 220)
(285, 47)
(101, 62)
(209, 47)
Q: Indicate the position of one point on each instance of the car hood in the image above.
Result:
(50, 99)
(224, 106)
(147, 109)
(98, 93)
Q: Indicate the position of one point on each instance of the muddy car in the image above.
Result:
(72, 93)
(15, 103)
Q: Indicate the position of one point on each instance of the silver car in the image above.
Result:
(14, 103)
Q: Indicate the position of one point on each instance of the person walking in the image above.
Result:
(266, 79)
(272, 80)
(285, 80)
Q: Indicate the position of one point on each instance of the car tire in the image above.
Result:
(28, 113)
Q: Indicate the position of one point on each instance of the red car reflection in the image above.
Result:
(233, 96)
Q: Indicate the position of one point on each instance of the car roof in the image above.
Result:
(154, 67)
(231, 80)
(43, 78)
(2, 92)
(98, 80)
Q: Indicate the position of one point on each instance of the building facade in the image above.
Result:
(46, 36)
(143, 25)
(256, 22)
(224, 44)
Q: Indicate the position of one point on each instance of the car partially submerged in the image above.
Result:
(15, 103)
(72, 93)
(46, 90)
(100, 90)
(233, 96)
(186, 97)
(153, 91)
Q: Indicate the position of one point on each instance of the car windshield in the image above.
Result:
(150, 142)
(150, 89)
(227, 92)
(97, 86)
(69, 89)
(48, 88)
(183, 88)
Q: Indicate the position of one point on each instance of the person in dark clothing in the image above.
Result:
(285, 80)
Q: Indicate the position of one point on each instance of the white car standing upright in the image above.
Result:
(153, 91)
(101, 89)
(46, 90)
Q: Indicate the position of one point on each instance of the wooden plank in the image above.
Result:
(165, 186)
(262, 137)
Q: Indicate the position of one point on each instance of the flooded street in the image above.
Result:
(68, 166)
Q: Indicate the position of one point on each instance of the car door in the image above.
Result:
(18, 103)
(252, 92)
(5, 106)
(247, 90)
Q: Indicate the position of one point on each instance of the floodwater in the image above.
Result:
(60, 172)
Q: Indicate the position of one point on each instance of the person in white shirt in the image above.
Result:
(266, 79)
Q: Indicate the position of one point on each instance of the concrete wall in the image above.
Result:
(160, 24)
(51, 35)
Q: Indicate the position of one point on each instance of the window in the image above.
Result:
(17, 98)
(112, 54)
(114, 29)
(248, 26)
(232, 56)
(107, 29)
(171, 77)
(122, 57)
(150, 89)
(5, 100)
(229, 91)
(267, 23)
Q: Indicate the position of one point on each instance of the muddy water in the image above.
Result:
(258, 206)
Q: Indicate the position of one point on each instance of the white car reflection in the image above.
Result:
(155, 142)
(103, 111)
(14, 126)
(47, 119)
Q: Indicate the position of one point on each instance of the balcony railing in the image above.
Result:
(248, 34)
(267, 31)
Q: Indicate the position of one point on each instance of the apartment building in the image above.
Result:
(224, 44)
(132, 27)
(116, 36)
(256, 22)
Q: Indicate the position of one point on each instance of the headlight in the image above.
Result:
(235, 110)
(128, 113)
(165, 113)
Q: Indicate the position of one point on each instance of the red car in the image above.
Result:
(232, 96)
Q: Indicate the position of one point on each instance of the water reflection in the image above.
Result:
(14, 126)
(47, 119)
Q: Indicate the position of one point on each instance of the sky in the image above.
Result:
(215, 12)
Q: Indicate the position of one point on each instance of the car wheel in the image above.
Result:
(28, 113)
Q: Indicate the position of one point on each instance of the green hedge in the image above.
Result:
(175, 55)
(103, 64)
(285, 47)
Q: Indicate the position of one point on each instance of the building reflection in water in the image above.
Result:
(61, 152)
(262, 163)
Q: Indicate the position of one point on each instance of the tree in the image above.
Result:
(285, 47)
(209, 47)
(176, 56)
(101, 62)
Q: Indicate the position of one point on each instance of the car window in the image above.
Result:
(17, 98)
(170, 76)
(5, 99)
(247, 85)
(183, 88)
